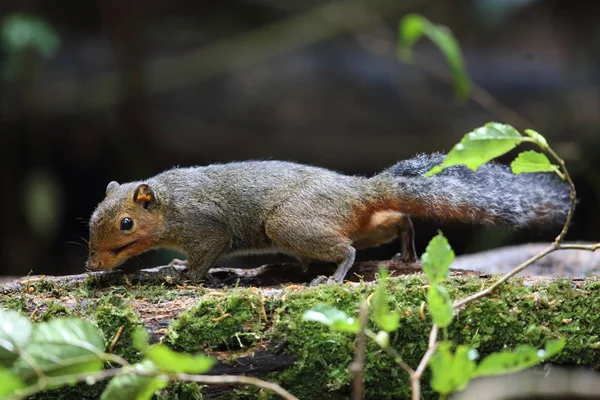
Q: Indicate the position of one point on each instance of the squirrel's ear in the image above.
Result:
(111, 186)
(144, 195)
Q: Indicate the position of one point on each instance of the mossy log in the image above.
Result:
(253, 323)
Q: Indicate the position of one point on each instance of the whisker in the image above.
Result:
(77, 243)
(84, 221)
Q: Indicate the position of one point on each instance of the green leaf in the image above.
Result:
(440, 305)
(480, 146)
(15, 331)
(413, 26)
(537, 138)
(62, 347)
(451, 372)
(382, 339)
(522, 357)
(20, 32)
(385, 319)
(169, 361)
(139, 337)
(437, 259)
(135, 387)
(532, 161)
(9, 382)
(337, 320)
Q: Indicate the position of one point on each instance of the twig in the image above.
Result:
(358, 364)
(588, 247)
(32, 280)
(109, 373)
(115, 340)
(236, 380)
(458, 304)
(572, 196)
(415, 378)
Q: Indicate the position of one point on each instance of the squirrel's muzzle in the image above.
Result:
(99, 261)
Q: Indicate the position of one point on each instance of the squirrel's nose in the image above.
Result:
(90, 264)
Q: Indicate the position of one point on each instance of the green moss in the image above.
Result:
(217, 324)
(100, 281)
(323, 356)
(54, 309)
(46, 287)
(18, 302)
(517, 313)
(180, 391)
(110, 318)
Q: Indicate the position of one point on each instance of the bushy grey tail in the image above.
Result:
(492, 194)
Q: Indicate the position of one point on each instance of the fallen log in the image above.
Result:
(251, 320)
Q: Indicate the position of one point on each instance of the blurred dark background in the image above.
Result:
(94, 91)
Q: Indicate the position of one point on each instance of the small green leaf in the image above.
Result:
(167, 360)
(532, 161)
(20, 32)
(15, 331)
(440, 305)
(553, 347)
(135, 387)
(537, 138)
(385, 319)
(9, 382)
(139, 338)
(451, 372)
(522, 357)
(437, 259)
(480, 146)
(62, 347)
(337, 320)
(382, 339)
(441, 364)
(413, 26)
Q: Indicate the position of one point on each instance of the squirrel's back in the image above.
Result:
(256, 184)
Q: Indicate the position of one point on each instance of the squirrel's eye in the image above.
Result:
(126, 224)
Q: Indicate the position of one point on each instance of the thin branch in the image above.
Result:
(57, 381)
(572, 196)
(458, 304)
(415, 378)
(116, 338)
(113, 372)
(358, 364)
(587, 247)
(236, 380)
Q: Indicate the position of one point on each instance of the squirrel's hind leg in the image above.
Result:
(385, 226)
(311, 239)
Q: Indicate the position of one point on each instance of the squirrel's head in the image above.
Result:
(126, 223)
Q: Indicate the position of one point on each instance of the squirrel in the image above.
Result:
(257, 207)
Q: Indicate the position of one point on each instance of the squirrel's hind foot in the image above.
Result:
(322, 279)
